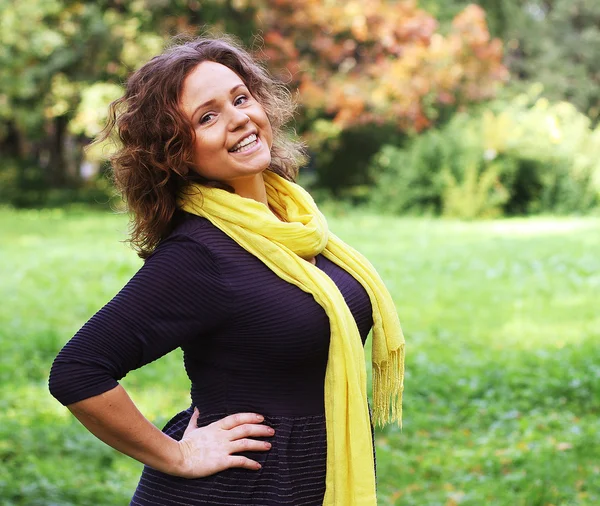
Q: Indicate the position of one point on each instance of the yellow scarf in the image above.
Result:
(285, 247)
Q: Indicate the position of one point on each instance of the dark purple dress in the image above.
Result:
(251, 342)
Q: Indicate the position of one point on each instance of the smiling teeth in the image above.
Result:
(244, 142)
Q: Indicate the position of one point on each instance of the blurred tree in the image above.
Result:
(500, 16)
(62, 61)
(375, 63)
(372, 62)
(553, 42)
(559, 48)
(52, 51)
(375, 60)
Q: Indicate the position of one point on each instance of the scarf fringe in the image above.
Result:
(388, 385)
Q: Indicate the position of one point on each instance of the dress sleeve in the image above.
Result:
(176, 296)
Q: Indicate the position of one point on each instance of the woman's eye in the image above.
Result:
(206, 118)
(241, 99)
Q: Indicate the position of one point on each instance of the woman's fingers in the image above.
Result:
(249, 445)
(212, 448)
(250, 430)
(231, 421)
(239, 461)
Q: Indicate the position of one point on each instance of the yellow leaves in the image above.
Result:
(455, 497)
(496, 131)
(353, 10)
(553, 129)
(479, 194)
(138, 50)
(128, 29)
(92, 111)
(63, 94)
(239, 5)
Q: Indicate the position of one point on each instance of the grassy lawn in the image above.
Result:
(502, 321)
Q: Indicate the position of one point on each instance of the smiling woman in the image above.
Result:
(270, 308)
(233, 133)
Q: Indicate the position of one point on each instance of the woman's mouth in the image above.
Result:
(246, 144)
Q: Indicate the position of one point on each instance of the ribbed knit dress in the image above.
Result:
(251, 342)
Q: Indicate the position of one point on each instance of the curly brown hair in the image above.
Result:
(154, 160)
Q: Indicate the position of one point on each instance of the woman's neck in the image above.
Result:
(252, 187)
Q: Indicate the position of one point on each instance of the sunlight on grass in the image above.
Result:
(544, 226)
(502, 390)
(527, 334)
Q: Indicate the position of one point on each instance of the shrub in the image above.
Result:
(517, 157)
(340, 157)
(479, 194)
(22, 185)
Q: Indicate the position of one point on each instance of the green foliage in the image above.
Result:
(22, 186)
(61, 64)
(553, 42)
(435, 171)
(502, 389)
(522, 156)
(341, 161)
(478, 195)
(92, 111)
(409, 180)
(501, 17)
(557, 43)
(61, 69)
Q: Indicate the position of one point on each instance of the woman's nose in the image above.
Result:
(238, 119)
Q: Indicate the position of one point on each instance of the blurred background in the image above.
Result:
(437, 107)
(455, 143)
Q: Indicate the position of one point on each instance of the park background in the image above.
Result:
(456, 144)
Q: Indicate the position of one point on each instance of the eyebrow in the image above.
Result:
(212, 100)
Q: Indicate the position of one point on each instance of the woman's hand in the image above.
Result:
(208, 450)
(113, 418)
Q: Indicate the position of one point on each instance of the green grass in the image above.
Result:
(502, 323)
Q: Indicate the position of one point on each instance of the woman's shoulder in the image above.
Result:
(190, 225)
(196, 233)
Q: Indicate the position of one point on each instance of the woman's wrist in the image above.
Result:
(181, 457)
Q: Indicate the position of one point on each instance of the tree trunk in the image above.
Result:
(57, 170)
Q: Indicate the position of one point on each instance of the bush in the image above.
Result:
(22, 185)
(480, 194)
(517, 157)
(409, 181)
(339, 158)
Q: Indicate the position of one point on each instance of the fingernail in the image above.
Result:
(267, 445)
(260, 418)
(258, 466)
(271, 430)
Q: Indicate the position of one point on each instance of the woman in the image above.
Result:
(270, 309)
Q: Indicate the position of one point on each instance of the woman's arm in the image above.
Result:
(177, 296)
(114, 418)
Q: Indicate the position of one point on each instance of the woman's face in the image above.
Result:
(233, 134)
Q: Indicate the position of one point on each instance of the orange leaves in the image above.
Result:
(463, 66)
(374, 60)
